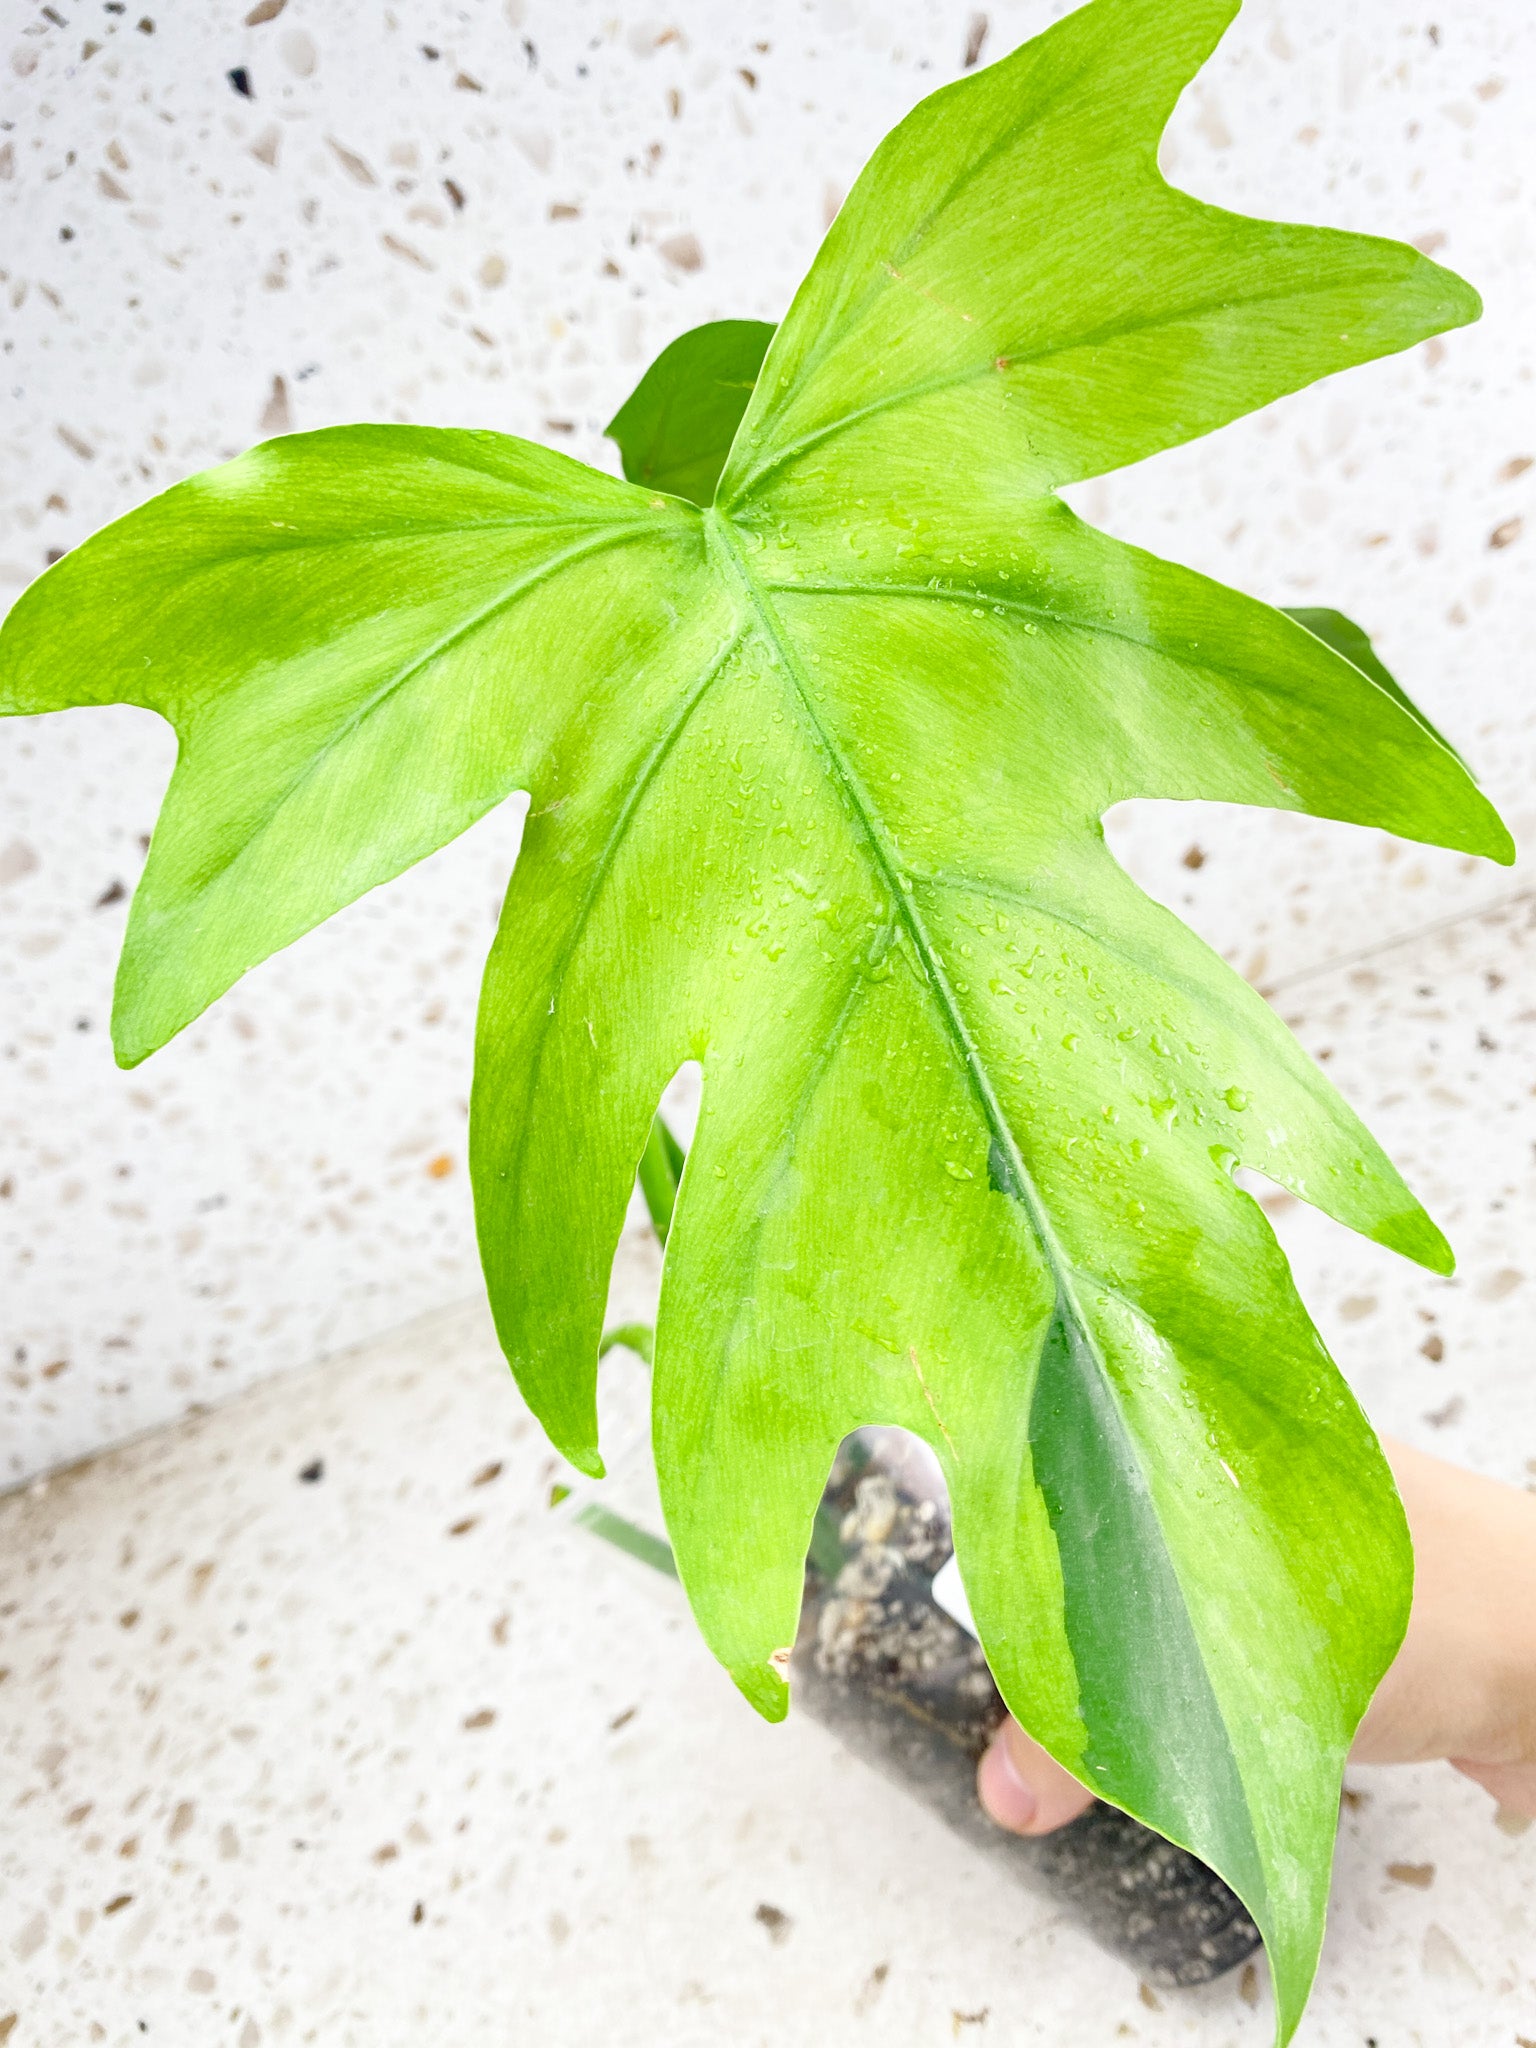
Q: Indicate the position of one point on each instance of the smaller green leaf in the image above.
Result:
(661, 1168)
(676, 427)
(1353, 642)
(637, 1337)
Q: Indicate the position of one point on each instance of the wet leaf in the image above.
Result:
(816, 775)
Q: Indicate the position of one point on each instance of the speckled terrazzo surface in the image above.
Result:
(323, 1759)
(317, 1726)
(493, 215)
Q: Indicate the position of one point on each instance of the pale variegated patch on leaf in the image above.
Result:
(816, 775)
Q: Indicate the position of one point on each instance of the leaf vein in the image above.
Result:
(398, 680)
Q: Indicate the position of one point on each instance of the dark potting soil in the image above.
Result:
(904, 1686)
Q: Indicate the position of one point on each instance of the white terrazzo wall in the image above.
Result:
(484, 214)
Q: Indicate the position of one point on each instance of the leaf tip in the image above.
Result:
(587, 1459)
(1416, 1236)
(1498, 843)
(762, 1685)
(130, 1046)
(1463, 301)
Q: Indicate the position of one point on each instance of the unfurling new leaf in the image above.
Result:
(819, 719)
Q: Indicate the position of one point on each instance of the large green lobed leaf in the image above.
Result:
(817, 773)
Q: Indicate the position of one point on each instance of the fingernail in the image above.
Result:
(1004, 1794)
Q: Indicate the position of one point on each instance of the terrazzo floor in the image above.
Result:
(318, 1726)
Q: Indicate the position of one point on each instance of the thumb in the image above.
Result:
(1023, 1788)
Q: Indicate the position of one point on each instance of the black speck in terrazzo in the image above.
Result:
(313, 1472)
(240, 79)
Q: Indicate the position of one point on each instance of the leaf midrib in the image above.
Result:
(640, 785)
(541, 572)
(1006, 362)
(1100, 629)
(852, 312)
(1065, 1270)
(899, 884)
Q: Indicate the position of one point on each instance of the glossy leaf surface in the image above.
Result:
(816, 779)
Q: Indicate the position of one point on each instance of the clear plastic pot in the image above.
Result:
(882, 1664)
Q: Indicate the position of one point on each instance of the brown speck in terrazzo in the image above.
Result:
(622, 1720)
(1420, 1875)
(1248, 1985)
(357, 168)
(405, 252)
(264, 10)
(682, 252)
(1506, 532)
(777, 1921)
(1497, 1285)
(958, 2019)
(487, 1473)
(482, 1718)
(276, 414)
(870, 1989)
(462, 1528)
(16, 860)
(116, 1905)
(1433, 1348)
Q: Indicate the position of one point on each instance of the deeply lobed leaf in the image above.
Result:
(816, 777)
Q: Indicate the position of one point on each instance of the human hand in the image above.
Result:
(1462, 1687)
